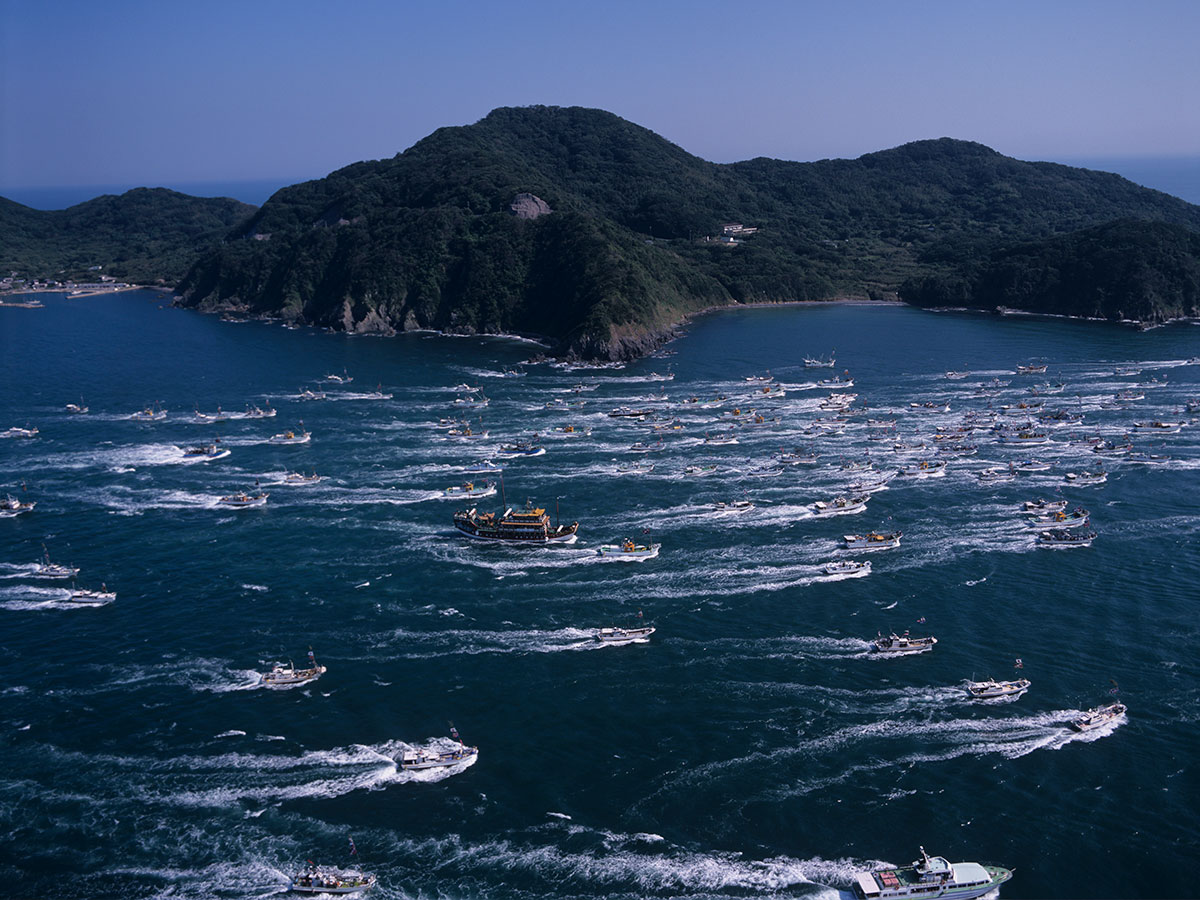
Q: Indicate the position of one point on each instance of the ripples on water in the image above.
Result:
(752, 747)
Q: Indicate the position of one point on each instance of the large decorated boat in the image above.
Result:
(931, 877)
(315, 880)
(529, 526)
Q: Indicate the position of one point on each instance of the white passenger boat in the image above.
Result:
(617, 635)
(93, 598)
(419, 759)
(992, 689)
(244, 500)
(315, 880)
(1100, 715)
(286, 676)
(902, 643)
(838, 506)
(470, 490)
(628, 550)
(930, 877)
(290, 437)
(873, 540)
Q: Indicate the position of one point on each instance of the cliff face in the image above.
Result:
(578, 226)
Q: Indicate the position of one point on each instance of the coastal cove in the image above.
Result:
(752, 746)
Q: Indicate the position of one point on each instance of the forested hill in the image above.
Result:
(429, 238)
(1125, 271)
(145, 235)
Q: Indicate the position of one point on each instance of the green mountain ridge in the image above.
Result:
(429, 239)
(146, 235)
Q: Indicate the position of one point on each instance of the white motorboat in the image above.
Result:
(957, 376)
(1032, 369)
(244, 500)
(1108, 448)
(340, 379)
(617, 635)
(1065, 539)
(848, 568)
(290, 437)
(930, 877)
(17, 432)
(1033, 467)
(736, 506)
(205, 451)
(487, 467)
(1154, 427)
(76, 409)
(1084, 479)
(470, 490)
(643, 447)
(628, 551)
(299, 478)
(10, 506)
(926, 468)
(817, 362)
(306, 394)
(93, 598)
(873, 540)
(286, 676)
(992, 689)
(996, 474)
(798, 457)
(218, 416)
(902, 643)
(47, 569)
(516, 451)
(1060, 519)
(839, 506)
(699, 470)
(416, 758)
(1100, 715)
(256, 412)
(149, 415)
(1043, 506)
(315, 880)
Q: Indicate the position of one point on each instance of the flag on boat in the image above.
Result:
(1018, 664)
(1115, 689)
(921, 621)
(454, 733)
(353, 849)
(312, 659)
(640, 616)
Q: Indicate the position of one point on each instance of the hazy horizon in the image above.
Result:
(135, 92)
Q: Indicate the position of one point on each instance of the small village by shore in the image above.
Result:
(13, 284)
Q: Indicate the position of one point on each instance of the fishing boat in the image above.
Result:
(616, 635)
(471, 400)
(1032, 369)
(992, 689)
(486, 467)
(1023, 437)
(736, 506)
(839, 506)
(798, 457)
(1108, 448)
(837, 381)
(205, 451)
(93, 598)
(530, 526)
(931, 877)
(626, 412)
(243, 500)
(340, 379)
(1084, 479)
(47, 569)
(643, 447)
(299, 478)
(218, 416)
(465, 431)
(470, 489)
(847, 567)
(290, 437)
(149, 415)
(726, 438)
(314, 880)
(76, 409)
(306, 394)
(1060, 519)
(901, 643)
(699, 470)
(817, 362)
(1043, 506)
(628, 550)
(10, 506)
(1157, 427)
(957, 376)
(518, 450)
(873, 540)
(256, 412)
(1065, 539)
(926, 468)
(996, 474)
(285, 676)
(420, 758)
(1100, 715)
(635, 468)
(1033, 467)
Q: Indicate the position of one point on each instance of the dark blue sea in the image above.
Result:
(753, 747)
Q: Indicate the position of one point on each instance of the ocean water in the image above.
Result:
(753, 747)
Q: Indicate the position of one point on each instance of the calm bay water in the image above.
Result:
(752, 748)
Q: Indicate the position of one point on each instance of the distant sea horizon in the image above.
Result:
(1176, 175)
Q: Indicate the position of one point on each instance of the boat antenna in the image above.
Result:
(503, 501)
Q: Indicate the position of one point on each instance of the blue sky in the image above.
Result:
(126, 91)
